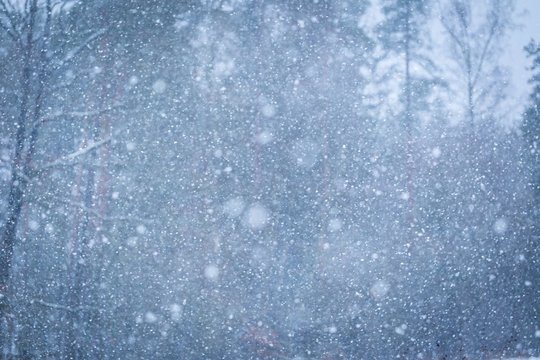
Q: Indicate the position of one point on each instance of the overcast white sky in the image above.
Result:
(528, 17)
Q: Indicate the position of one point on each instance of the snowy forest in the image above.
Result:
(267, 179)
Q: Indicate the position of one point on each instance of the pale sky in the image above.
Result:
(528, 19)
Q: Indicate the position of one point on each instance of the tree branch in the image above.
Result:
(492, 31)
(452, 34)
(67, 159)
(75, 309)
(71, 54)
(6, 9)
(74, 114)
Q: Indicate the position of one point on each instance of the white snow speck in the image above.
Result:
(400, 330)
(227, 8)
(134, 80)
(436, 152)
(211, 272)
(176, 312)
(150, 317)
(334, 225)
(33, 225)
(500, 226)
(141, 229)
(257, 217)
(264, 137)
(130, 146)
(379, 289)
(305, 153)
(223, 69)
(180, 24)
(132, 241)
(234, 207)
(49, 228)
(332, 329)
(268, 110)
(159, 86)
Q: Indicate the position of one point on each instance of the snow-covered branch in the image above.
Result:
(74, 114)
(69, 158)
(73, 309)
(71, 54)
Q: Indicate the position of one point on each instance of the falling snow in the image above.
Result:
(257, 217)
(256, 180)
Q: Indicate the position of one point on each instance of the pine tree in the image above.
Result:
(531, 118)
(530, 256)
(401, 33)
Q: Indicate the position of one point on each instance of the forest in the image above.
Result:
(267, 179)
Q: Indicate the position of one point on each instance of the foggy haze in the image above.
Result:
(300, 179)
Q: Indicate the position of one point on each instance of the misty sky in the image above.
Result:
(528, 26)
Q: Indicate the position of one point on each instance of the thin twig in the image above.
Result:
(71, 54)
(68, 159)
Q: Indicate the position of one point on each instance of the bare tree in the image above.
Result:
(45, 47)
(475, 45)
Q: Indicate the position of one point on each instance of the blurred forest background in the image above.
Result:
(281, 179)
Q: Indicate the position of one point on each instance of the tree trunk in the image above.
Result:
(19, 178)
